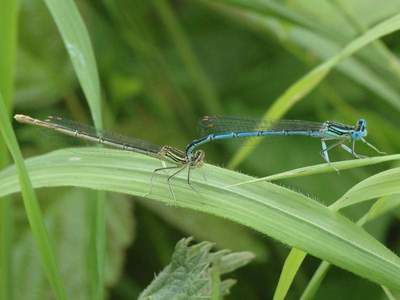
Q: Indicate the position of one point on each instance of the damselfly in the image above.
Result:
(219, 128)
(85, 132)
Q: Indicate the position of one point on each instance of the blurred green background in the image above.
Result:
(163, 65)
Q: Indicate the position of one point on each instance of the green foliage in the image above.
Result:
(290, 217)
(193, 271)
(161, 66)
(70, 234)
(32, 207)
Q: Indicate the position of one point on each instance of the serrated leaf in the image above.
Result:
(192, 273)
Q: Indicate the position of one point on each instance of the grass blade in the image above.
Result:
(8, 45)
(309, 81)
(8, 34)
(287, 216)
(32, 207)
(199, 78)
(380, 207)
(325, 168)
(382, 184)
(315, 281)
(289, 270)
(293, 35)
(77, 42)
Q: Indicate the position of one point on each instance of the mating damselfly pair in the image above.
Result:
(214, 128)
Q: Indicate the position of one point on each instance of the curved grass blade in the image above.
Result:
(287, 216)
(325, 168)
(205, 227)
(291, 34)
(309, 81)
(379, 185)
(315, 281)
(289, 270)
(199, 78)
(31, 206)
(379, 208)
(77, 42)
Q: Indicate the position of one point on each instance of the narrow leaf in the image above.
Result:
(287, 216)
(381, 184)
(31, 206)
(309, 81)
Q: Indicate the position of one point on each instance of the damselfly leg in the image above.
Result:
(325, 150)
(169, 185)
(372, 146)
(170, 177)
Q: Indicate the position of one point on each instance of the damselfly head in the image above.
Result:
(361, 129)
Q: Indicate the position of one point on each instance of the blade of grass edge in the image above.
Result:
(309, 81)
(8, 36)
(379, 185)
(289, 271)
(290, 217)
(296, 257)
(77, 42)
(391, 60)
(199, 78)
(32, 208)
(379, 208)
(325, 168)
(296, 39)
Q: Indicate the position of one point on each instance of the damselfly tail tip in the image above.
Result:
(21, 118)
(18, 116)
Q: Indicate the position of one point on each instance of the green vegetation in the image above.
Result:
(77, 223)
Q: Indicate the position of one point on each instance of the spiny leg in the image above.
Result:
(173, 175)
(352, 150)
(188, 176)
(188, 181)
(152, 177)
(324, 152)
(325, 149)
(372, 146)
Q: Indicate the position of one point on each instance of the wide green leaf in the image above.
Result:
(287, 216)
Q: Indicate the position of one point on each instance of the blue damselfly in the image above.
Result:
(219, 128)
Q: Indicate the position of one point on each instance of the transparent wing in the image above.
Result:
(220, 124)
(111, 138)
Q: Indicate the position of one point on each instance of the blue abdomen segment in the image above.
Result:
(231, 135)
